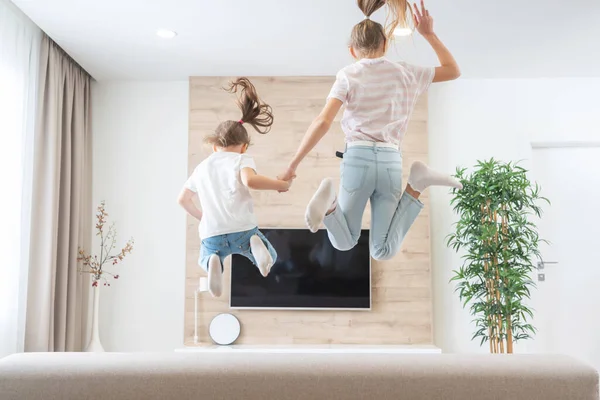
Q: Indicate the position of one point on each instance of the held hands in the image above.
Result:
(286, 185)
(423, 21)
(288, 176)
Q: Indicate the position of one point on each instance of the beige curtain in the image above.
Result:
(57, 295)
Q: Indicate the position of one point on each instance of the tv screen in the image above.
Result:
(309, 274)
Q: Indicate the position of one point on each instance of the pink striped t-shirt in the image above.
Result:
(379, 96)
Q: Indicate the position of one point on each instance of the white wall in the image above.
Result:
(140, 162)
(477, 119)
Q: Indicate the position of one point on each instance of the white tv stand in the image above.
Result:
(315, 348)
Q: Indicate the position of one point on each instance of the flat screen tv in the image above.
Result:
(309, 274)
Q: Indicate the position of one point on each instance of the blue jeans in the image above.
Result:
(231, 243)
(375, 174)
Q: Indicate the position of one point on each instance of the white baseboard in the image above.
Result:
(301, 348)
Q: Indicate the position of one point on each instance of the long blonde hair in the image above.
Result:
(368, 36)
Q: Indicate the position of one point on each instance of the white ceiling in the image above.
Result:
(115, 39)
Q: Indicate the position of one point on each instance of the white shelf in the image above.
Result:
(301, 348)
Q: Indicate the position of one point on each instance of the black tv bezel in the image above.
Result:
(258, 308)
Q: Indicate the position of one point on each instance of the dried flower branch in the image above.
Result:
(93, 264)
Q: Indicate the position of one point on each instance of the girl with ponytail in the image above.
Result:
(379, 96)
(222, 183)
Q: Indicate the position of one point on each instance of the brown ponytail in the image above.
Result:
(254, 112)
(368, 36)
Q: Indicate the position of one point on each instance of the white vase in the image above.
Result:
(94, 345)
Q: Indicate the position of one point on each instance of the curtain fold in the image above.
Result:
(61, 212)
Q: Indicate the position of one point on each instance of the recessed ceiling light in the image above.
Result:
(402, 31)
(166, 34)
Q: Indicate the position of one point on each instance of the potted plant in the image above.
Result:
(499, 242)
(94, 265)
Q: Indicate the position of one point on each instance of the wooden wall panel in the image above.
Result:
(401, 305)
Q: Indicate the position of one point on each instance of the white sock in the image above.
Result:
(215, 276)
(261, 254)
(321, 202)
(421, 177)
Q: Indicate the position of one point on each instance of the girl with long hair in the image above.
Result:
(222, 183)
(379, 96)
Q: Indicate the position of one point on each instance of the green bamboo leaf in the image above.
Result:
(498, 243)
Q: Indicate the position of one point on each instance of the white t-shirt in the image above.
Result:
(227, 205)
(380, 96)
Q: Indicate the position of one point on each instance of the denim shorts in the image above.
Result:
(232, 243)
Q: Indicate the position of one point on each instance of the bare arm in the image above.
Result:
(319, 127)
(186, 200)
(449, 69)
(258, 182)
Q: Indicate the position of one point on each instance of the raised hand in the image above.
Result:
(423, 21)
